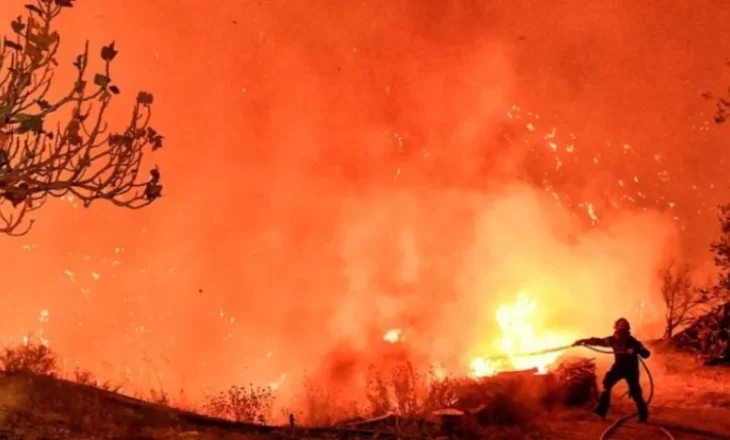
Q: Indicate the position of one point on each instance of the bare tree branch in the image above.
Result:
(80, 156)
(683, 300)
(721, 248)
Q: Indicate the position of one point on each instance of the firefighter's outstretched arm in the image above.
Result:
(598, 342)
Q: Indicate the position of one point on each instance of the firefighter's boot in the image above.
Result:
(604, 400)
(642, 409)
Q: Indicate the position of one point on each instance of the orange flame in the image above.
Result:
(524, 331)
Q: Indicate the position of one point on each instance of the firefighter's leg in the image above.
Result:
(604, 400)
(637, 394)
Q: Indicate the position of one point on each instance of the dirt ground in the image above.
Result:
(687, 394)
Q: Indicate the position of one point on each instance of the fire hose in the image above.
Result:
(615, 425)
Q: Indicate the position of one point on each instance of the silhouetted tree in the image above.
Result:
(721, 248)
(722, 105)
(59, 145)
(682, 299)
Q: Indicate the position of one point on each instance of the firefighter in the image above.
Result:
(626, 350)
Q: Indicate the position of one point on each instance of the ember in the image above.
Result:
(453, 185)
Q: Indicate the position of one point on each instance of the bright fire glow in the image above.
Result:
(523, 331)
(481, 367)
(393, 335)
(277, 383)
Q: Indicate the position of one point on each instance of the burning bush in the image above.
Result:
(250, 404)
(409, 394)
(406, 392)
(508, 398)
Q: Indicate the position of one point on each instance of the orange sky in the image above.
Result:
(331, 171)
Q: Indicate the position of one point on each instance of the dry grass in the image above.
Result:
(323, 405)
(681, 379)
(410, 396)
(403, 391)
(31, 371)
(505, 406)
(84, 377)
(159, 397)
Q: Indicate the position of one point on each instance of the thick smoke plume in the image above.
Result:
(336, 172)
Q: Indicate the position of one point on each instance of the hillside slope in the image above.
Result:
(34, 407)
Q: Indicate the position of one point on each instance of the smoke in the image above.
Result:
(485, 250)
(333, 173)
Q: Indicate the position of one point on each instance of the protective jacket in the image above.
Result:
(625, 350)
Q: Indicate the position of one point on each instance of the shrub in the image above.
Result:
(159, 397)
(84, 377)
(250, 404)
(29, 358)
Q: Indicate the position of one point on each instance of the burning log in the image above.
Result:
(508, 398)
(504, 399)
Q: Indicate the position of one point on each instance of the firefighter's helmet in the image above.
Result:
(622, 324)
